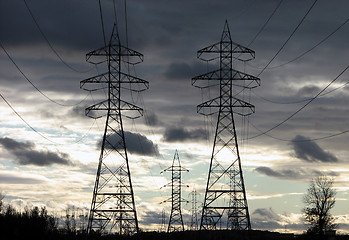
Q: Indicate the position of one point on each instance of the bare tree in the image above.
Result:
(319, 200)
(1, 202)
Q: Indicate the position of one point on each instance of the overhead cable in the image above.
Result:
(303, 140)
(312, 48)
(293, 32)
(43, 94)
(3, 98)
(265, 24)
(49, 43)
(102, 22)
(300, 109)
(298, 101)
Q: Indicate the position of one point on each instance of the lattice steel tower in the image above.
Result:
(176, 220)
(113, 207)
(194, 210)
(225, 200)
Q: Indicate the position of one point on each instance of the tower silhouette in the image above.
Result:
(194, 210)
(225, 200)
(113, 207)
(176, 220)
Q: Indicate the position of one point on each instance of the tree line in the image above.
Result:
(36, 223)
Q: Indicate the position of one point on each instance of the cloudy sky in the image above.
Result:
(49, 149)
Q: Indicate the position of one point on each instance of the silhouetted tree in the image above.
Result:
(319, 200)
(70, 221)
(1, 203)
(32, 223)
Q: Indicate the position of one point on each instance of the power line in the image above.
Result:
(101, 14)
(32, 128)
(115, 15)
(319, 43)
(126, 25)
(43, 94)
(311, 49)
(265, 24)
(300, 109)
(300, 56)
(298, 101)
(304, 140)
(49, 43)
(284, 44)
(294, 31)
(3, 98)
(243, 12)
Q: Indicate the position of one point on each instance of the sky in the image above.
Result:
(301, 49)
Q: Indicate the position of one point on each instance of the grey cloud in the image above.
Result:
(263, 218)
(180, 134)
(11, 179)
(295, 173)
(152, 119)
(265, 213)
(308, 91)
(310, 151)
(59, 20)
(152, 217)
(136, 144)
(179, 71)
(185, 71)
(266, 218)
(78, 111)
(25, 154)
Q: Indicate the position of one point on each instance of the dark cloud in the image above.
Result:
(152, 119)
(78, 111)
(25, 154)
(136, 144)
(152, 217)
(180, 134)
(185, 71)
(179, 71)
(266, 218)
(267, 214)
(289, 173)
(263, 218)
(59, 20)
(294, 173)
(310, 151)
(11, 179)
(309, 91)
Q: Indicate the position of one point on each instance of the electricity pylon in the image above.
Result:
(194, 210)
(163, 221)
(225, 197)
(176, 220)
(113, 207)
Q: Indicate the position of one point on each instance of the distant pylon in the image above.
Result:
(163, 221)
(113, 207)
(194, 210)
(225, 200)
(176, 219)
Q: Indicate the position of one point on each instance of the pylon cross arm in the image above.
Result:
(235, 105)
(216, 75)
(138, 84)
(104, 107)
(132, 56)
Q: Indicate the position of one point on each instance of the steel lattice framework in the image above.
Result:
(225, 197)
(113, 207)
(194, 210)
(176, 220)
